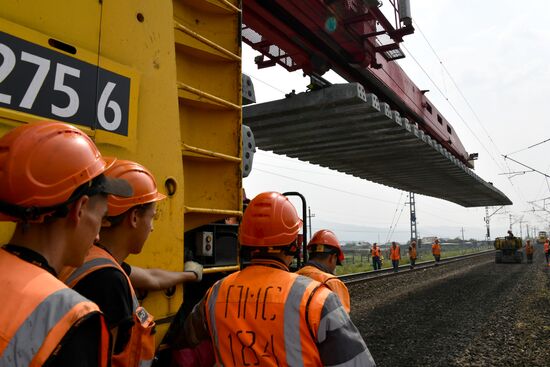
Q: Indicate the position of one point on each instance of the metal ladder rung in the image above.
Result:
(210, 153)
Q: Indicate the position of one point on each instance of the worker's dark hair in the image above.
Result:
(291, 249)
(117, 219)
(322, 255)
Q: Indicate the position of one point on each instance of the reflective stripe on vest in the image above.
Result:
(330, 281)
(140, 349)
(292, 316)
(37, 311)
(244, 312)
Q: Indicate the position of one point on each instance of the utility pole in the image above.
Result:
(521, 228)
(528, 233)
(510, 216)
(462, 234)
(412, 204)
(309, 216)
(487, 224)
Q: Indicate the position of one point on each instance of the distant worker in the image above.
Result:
(436, 251)
(395, 256)
(107, 280)
(375, 254)
(529, 250)
(412, 254)
(52, 185)
(264, 315)
(546, 249)
(324, 254)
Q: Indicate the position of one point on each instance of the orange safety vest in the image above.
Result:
(546, 246)
(395, 253)
(412, 252)
(37, 312)
(140, 349)
(529, 249)
(265, 316)
(375, 252)
(330, 280)
(436, 249)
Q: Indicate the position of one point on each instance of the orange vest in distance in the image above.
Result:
(436, 249)
(395, 253)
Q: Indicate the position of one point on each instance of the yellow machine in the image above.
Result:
(508, 249)
(157, 82)
(542, 237)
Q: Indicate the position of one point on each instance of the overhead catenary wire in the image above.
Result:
(452, 106)
(455, 84)
(529, 147)
(507, 167)
(393, 218)
(352, 193)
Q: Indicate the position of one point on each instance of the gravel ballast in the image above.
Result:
(469, 313)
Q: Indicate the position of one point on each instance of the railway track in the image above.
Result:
(464, 314)
(377, 274)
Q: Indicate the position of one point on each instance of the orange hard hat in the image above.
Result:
(142, 182)
(41, 166)
(325, 241)
(269, 220)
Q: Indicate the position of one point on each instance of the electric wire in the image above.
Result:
(456, 86)
(520, 194)
(529, 147)
(452, 106)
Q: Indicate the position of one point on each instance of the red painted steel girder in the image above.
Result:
(317, 35)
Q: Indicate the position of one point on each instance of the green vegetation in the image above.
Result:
(356, 263)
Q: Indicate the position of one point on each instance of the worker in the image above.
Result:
(510, 235)
(375, 253)
(264, 315)
(529, 250)
(52, 185)
(325, 254)
(436, 251)
(546, 249)
(412, 254)
(395, 256)
(107, 280)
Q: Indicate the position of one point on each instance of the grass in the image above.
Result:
(355, 263)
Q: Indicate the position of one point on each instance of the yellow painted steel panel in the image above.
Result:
(183, 104)
(139, 34)
(208, 43)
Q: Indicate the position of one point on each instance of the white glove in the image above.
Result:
(194, 267)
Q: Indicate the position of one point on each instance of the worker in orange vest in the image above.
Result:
(436, 251)
(107, 280)
(529, 250)
(412, 254)
(546, 249)
(52, 185)
(324, 254)
(395, 256)
(375, 253)
(264, 315)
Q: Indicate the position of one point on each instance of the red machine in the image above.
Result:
(353, 38)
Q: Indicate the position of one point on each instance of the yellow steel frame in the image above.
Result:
(183, 58)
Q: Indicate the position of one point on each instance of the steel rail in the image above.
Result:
(349, 279)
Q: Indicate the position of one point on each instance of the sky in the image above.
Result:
(487, 63)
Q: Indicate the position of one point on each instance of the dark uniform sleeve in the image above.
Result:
(338, 340)
(80, 346)
(195, 328)
(108, 288)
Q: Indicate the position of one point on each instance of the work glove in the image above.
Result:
(194, 267)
